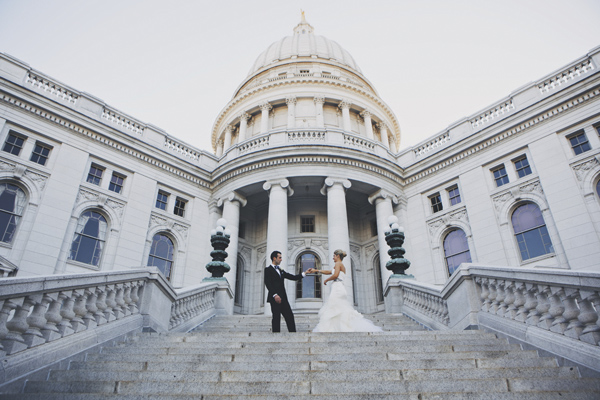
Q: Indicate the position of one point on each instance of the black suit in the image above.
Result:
(275, 286)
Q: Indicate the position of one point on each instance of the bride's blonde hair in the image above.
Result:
(340, 253)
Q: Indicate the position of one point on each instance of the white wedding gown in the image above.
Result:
(338, 315)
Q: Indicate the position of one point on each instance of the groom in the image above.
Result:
(274, 280)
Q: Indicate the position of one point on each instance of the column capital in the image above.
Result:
(382, 194)
(229, 128)
(331, 182)
(244, 115)
(345, 104)
(290, 100)
(382, 125)
(265, 106)
(284, 183)
(231, 197)
(365, 114)
(319, 99)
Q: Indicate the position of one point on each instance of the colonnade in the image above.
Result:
(337, 223)
(291, 101)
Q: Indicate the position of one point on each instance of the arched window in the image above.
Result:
(378, 279)
(239, 282)
(90, 235)
(161, 254)
(12, 204)
(530, 231)
(456, 249)
(309, 287)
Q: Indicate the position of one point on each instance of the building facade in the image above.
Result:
(305, 160)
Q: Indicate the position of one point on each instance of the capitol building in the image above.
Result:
(306, 158)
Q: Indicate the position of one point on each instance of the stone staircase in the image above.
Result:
(237, 357)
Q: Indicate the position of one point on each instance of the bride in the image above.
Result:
(337, 314)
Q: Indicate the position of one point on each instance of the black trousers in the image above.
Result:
(282, 309)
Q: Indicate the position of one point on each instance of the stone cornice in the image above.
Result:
(103, 139)
(550, 113)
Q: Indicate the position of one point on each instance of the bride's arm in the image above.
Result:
(335, 272)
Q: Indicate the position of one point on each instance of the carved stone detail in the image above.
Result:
(515, 192)
(168, 224)
(101, 200)
(582, 168)
(447, 220)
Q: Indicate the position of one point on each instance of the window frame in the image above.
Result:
(500, 177)
(449, 191)
(551, 251)
(44, 146)
(179, 207)
(518, 170)
(14, 145)
(173, 253)
(437, 205)
(166, 202)
(309, 224)
(317, 278)
(103, 240)
(98, 168)
(577, 134)
(111, 183)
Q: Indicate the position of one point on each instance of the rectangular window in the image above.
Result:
(373, 227)
(179, 206)
(522, 166)
(454, 195)
(116, 183)
(13, 144)
(307, 223)
(40, 153)
(436, 202)
(500, 176)
(161, 200)
(579, 143)
(95, 174)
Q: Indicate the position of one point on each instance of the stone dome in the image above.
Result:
(304, 44)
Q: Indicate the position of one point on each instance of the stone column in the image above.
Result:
(277, 223)
(219, 148)
(337, 225)
(345, 107)
(383, 130)
(264, 119)
(243, 126)
(319, 100)
(231, 212)
(227, 142)
(291, 104)
(366, 114)
(383, 210)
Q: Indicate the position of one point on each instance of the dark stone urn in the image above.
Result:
(395, 239)
(219, 240)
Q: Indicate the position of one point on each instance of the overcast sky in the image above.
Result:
(175, 64)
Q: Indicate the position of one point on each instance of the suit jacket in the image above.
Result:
(275, 283)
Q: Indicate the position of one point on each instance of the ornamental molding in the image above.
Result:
(100, 138)
(231, 197)
(355, 253)
(370, 249)
(582, 168)
(319, 99)
(451, 217)
(265, 106)
(100, 199)
(516, 192)
(20, 171)
(246, 252)
(551, 113)
(382, 194)
(169, 224)
(330, 182)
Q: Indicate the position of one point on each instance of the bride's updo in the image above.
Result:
(340, 253)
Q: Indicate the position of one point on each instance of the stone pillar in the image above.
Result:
(227, 142)
(383, 130)
(383, 210)
(243, 126)
(231, 212)
(264, 119)
(291, 104)
(219, 148)
(277, 223)
(345, 107)
(319, 100)
(366, 114)
(337, 225)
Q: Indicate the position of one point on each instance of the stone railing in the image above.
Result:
(553, 310)
(254, 144)
(493, 113)
(433, 144)
(359, 142)
(49, 318)
(182, 150)
(307, 136)
(121, 121)
(51, 87)
(563, 77)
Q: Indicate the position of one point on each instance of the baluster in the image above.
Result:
(509, 300)
(3, 331)
(446, 314)
(79, 310)
(519, 303)
(14, 340)
(120, 303)
(127, 299)
(109, 313)
(101, 306)
(500, 296)
(66, 312)
(482, 282)
(92, 309)
(531, 303)
(543, 308)
(492, 296)
(50, 331)
(135, 298)
(36, 321)
(571, 314)
(589, 317)
(556, 310)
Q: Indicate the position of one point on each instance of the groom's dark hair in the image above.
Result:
(274, 254)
